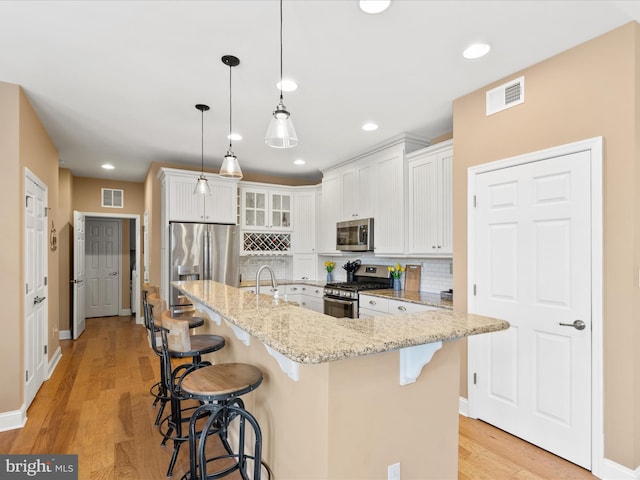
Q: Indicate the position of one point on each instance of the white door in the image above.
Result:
(36, 304)
(79, 275)
(533, 269)
(102, 243)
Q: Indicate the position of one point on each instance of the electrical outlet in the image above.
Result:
(393, 471)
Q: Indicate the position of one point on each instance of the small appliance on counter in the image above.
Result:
(341, 298)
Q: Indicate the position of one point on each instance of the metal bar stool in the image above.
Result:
(220, 387)
(177, 343)
(153, 303)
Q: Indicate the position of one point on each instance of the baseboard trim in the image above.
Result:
(53, 363)
(64, 335)
(611, 470)
(125, 312)
(140, 320)
(463, 406)
(13, 419)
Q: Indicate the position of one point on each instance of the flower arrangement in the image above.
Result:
(396, 271)
(328, 265)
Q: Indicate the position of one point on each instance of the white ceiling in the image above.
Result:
(117, 81)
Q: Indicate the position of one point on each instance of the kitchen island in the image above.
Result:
(342, 398)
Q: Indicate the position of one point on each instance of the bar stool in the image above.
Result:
(220, 387)
(177, 343)
(153, 303)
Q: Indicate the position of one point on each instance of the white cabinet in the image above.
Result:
(331, 207)
(303, 238)
(372, 306)
(307, 296)
(182, 205)
(265, 209)
(430, 200)
(389, 226)
(304, 266)
(356, 190)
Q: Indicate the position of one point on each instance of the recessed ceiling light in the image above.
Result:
(288, 85)
(234, 136)
(369, 127)
(299, 162)
(374, 6)
(108, 166)
(476, 50)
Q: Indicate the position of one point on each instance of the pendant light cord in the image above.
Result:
(230, 117)
(202, 141)
(281, 99)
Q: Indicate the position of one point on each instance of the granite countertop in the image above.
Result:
(267, 282)
(421, 298)
(305, 336)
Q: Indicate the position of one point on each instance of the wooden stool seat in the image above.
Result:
(221, 381)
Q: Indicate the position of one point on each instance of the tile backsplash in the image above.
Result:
(249, 266)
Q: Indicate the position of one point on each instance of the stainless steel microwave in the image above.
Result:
(355, 235)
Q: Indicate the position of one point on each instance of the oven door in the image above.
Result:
(339, 308)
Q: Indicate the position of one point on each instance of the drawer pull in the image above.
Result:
(402, 308)
(372, 302)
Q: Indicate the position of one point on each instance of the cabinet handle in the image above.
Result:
(304, 288)
(294, 289)
(372, 302)
(402, 308)
(317, 291)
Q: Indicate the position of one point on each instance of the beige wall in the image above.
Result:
(588, 91)
(23, 144)
(64, 225)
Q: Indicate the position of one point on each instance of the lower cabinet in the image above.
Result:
(371, 306)
(307, 296)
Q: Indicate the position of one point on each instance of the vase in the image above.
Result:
(329, 277)
(396, 284)
(349, 276)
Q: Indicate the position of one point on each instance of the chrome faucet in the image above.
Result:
(274, 282)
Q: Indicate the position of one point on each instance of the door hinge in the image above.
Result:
(26, 290)
(46, 212)
(474, 202)
(26, 376)
(474, 290)
(475, 378)
(45, 349)
(45, 281)
(26, 200)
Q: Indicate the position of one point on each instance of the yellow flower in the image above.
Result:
(329, 265)
(396, 271)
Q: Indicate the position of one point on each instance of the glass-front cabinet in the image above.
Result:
(264, 209)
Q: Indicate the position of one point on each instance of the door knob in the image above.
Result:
(113, 274)
(577, 324)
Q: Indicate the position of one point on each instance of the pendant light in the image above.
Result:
(281, 133)
(202, 187)
(230, 166)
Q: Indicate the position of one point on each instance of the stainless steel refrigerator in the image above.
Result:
(202, 251)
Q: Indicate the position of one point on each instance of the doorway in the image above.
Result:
(535, 259)
(103, 261)
(128, 284)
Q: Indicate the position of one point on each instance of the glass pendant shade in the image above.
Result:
(281, 132)
(230, 166)
(202, 186)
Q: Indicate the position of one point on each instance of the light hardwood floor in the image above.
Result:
(97, 405)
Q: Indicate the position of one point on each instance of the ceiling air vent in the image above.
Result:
(112, 198)
(505, 96)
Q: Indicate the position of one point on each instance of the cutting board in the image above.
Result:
(412, 278)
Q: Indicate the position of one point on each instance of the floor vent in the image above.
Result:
(505, 96)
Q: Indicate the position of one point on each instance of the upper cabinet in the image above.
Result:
(182, 205)
(371, 185)
(304, 218)
(430, 216)
(266, 209)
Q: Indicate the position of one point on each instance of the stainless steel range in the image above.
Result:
(341, 298)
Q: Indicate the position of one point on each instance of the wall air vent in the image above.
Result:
(112, 198)
(505, 96)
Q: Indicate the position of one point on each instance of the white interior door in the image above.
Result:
(36, 304)
(79, 275)
(102, 243)
(533, 269)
